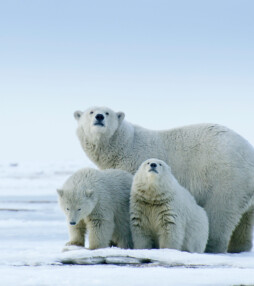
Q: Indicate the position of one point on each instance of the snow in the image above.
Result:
(34, 232)
(163, 257)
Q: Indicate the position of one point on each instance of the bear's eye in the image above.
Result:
(107, 113)
(160, 164)
(68, 209)
(79, 209)
(91, 112)
(148, 163)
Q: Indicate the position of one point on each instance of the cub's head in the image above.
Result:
(76, 204)
(98, 122)
(152, 171)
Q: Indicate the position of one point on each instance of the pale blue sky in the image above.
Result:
(164, 63)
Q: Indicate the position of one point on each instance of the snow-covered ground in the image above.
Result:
(34, 231)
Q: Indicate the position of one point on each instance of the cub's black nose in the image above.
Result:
(153, 165)
(72, 222)
(99, 117)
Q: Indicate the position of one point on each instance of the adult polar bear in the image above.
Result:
(213, 162)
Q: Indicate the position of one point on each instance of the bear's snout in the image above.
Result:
(99, 117)
(153, 168)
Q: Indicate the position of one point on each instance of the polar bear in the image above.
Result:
(97, 201)
(164, 214)
(211, 161)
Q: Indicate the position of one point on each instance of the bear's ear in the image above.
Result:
(88, 193)
(169, 168)
(120, 116)
(77, 114)
(60, 192)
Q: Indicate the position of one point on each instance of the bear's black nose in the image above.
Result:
(153, 165)
(72, 222)
(99, 117)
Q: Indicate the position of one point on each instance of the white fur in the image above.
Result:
(163, 213)
(98, 202)
(213, 162)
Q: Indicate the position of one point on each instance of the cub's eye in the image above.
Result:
(107, 113)
(148, 163)
(79, 209)
(91, 112)
(160, 164)
(68, 209)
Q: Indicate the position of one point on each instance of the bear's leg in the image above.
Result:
(223, 216)
(100, 234)
(77, 234)
(140, 235)
(241, 239)
(141, 239)
(171, 238)
(124, 240)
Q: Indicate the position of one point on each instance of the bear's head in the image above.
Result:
(152, 171)
(98, 123)
(75, 204)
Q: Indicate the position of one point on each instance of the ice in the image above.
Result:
(34, 232)
(162, 257)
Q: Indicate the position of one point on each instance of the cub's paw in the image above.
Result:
(72, 247)
(72, 242)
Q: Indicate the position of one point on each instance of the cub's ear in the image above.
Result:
(77, 114)
(88, 193)
(120, 116)
(169, 168)
(60, 192)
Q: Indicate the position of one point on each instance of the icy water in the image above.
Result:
(34, 231)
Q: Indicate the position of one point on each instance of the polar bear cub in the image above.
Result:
(98, 202)
(163, 213)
